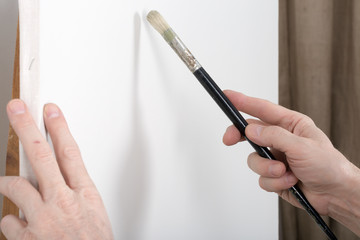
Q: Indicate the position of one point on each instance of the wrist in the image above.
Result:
(344, 200)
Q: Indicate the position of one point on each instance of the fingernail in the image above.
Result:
(51, 111)
(17, 107)
(259, 129)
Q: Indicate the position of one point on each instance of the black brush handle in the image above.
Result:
(240, 123)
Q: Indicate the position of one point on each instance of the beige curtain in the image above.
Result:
(319, 73)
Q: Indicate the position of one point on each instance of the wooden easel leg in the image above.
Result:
(12, 156)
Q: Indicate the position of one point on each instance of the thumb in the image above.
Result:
(272, 136)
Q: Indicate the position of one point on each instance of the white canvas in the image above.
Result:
(149, 134)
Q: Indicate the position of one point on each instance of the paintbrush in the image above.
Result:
(158, 22)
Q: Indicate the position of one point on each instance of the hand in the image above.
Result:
(67, 204)
(305, 153)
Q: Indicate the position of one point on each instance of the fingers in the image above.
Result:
(273, 175)
(22, 193)
(67, 152)
(233, 136)
(266, 111)
(266, 167)
(273, 136)
(37, 149)
(278, 184)
(13, 228)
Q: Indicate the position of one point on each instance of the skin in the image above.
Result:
(67, 204)
(306, 156)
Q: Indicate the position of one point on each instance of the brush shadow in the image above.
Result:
(134, 175)
(163, 65)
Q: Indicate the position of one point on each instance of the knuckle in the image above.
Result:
(67, 203)
(305, 122)
(16, 184)
(298, 120)
(90, 194)
(42, 154)
(71, 152)
(292, 120)
(306, 119)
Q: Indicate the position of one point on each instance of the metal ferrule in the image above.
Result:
(181, 50)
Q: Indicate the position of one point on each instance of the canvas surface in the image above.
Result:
(149, 134)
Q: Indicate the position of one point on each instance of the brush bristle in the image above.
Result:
(157, 21)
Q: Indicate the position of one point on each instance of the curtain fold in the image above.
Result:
(319, 75)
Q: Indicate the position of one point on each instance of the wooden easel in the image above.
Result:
(12, 154)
